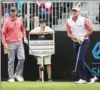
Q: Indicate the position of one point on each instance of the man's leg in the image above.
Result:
(81, 72)
(85, 47)
(49, 70)
(81, 65)
(39, 62)
(21, 59)
(40, 72)
(76, 50)
(81, 59)
(47, 62)
(11, 59)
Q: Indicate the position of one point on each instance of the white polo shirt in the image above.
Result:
(78, 28)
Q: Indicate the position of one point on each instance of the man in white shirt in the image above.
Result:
(43, 30)
(79, 29)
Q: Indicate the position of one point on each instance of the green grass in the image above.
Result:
(49, 86)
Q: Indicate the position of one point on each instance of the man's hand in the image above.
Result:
(6, 49)
(80, 40)
(25, 40)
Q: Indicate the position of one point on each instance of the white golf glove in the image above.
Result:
(80, 40)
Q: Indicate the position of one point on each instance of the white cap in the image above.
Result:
(76, 8)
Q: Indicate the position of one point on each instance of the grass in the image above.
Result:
(49, 86)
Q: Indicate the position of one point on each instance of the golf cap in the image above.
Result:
(76, 8)
(13, 9)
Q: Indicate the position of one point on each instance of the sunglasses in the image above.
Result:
(74, 10)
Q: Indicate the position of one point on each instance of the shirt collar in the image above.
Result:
(13, 19)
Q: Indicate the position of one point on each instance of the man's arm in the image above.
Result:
(88, 27)
(49, 31)
(24, 34)
(69, 34)
(23, 30)
(34, 31)
(4, 31)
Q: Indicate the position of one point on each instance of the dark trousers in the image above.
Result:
(82, 66)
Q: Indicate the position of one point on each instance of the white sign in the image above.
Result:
(42, 47)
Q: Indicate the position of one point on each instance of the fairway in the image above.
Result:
(49, 86)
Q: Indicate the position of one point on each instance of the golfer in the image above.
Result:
(78, 30)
